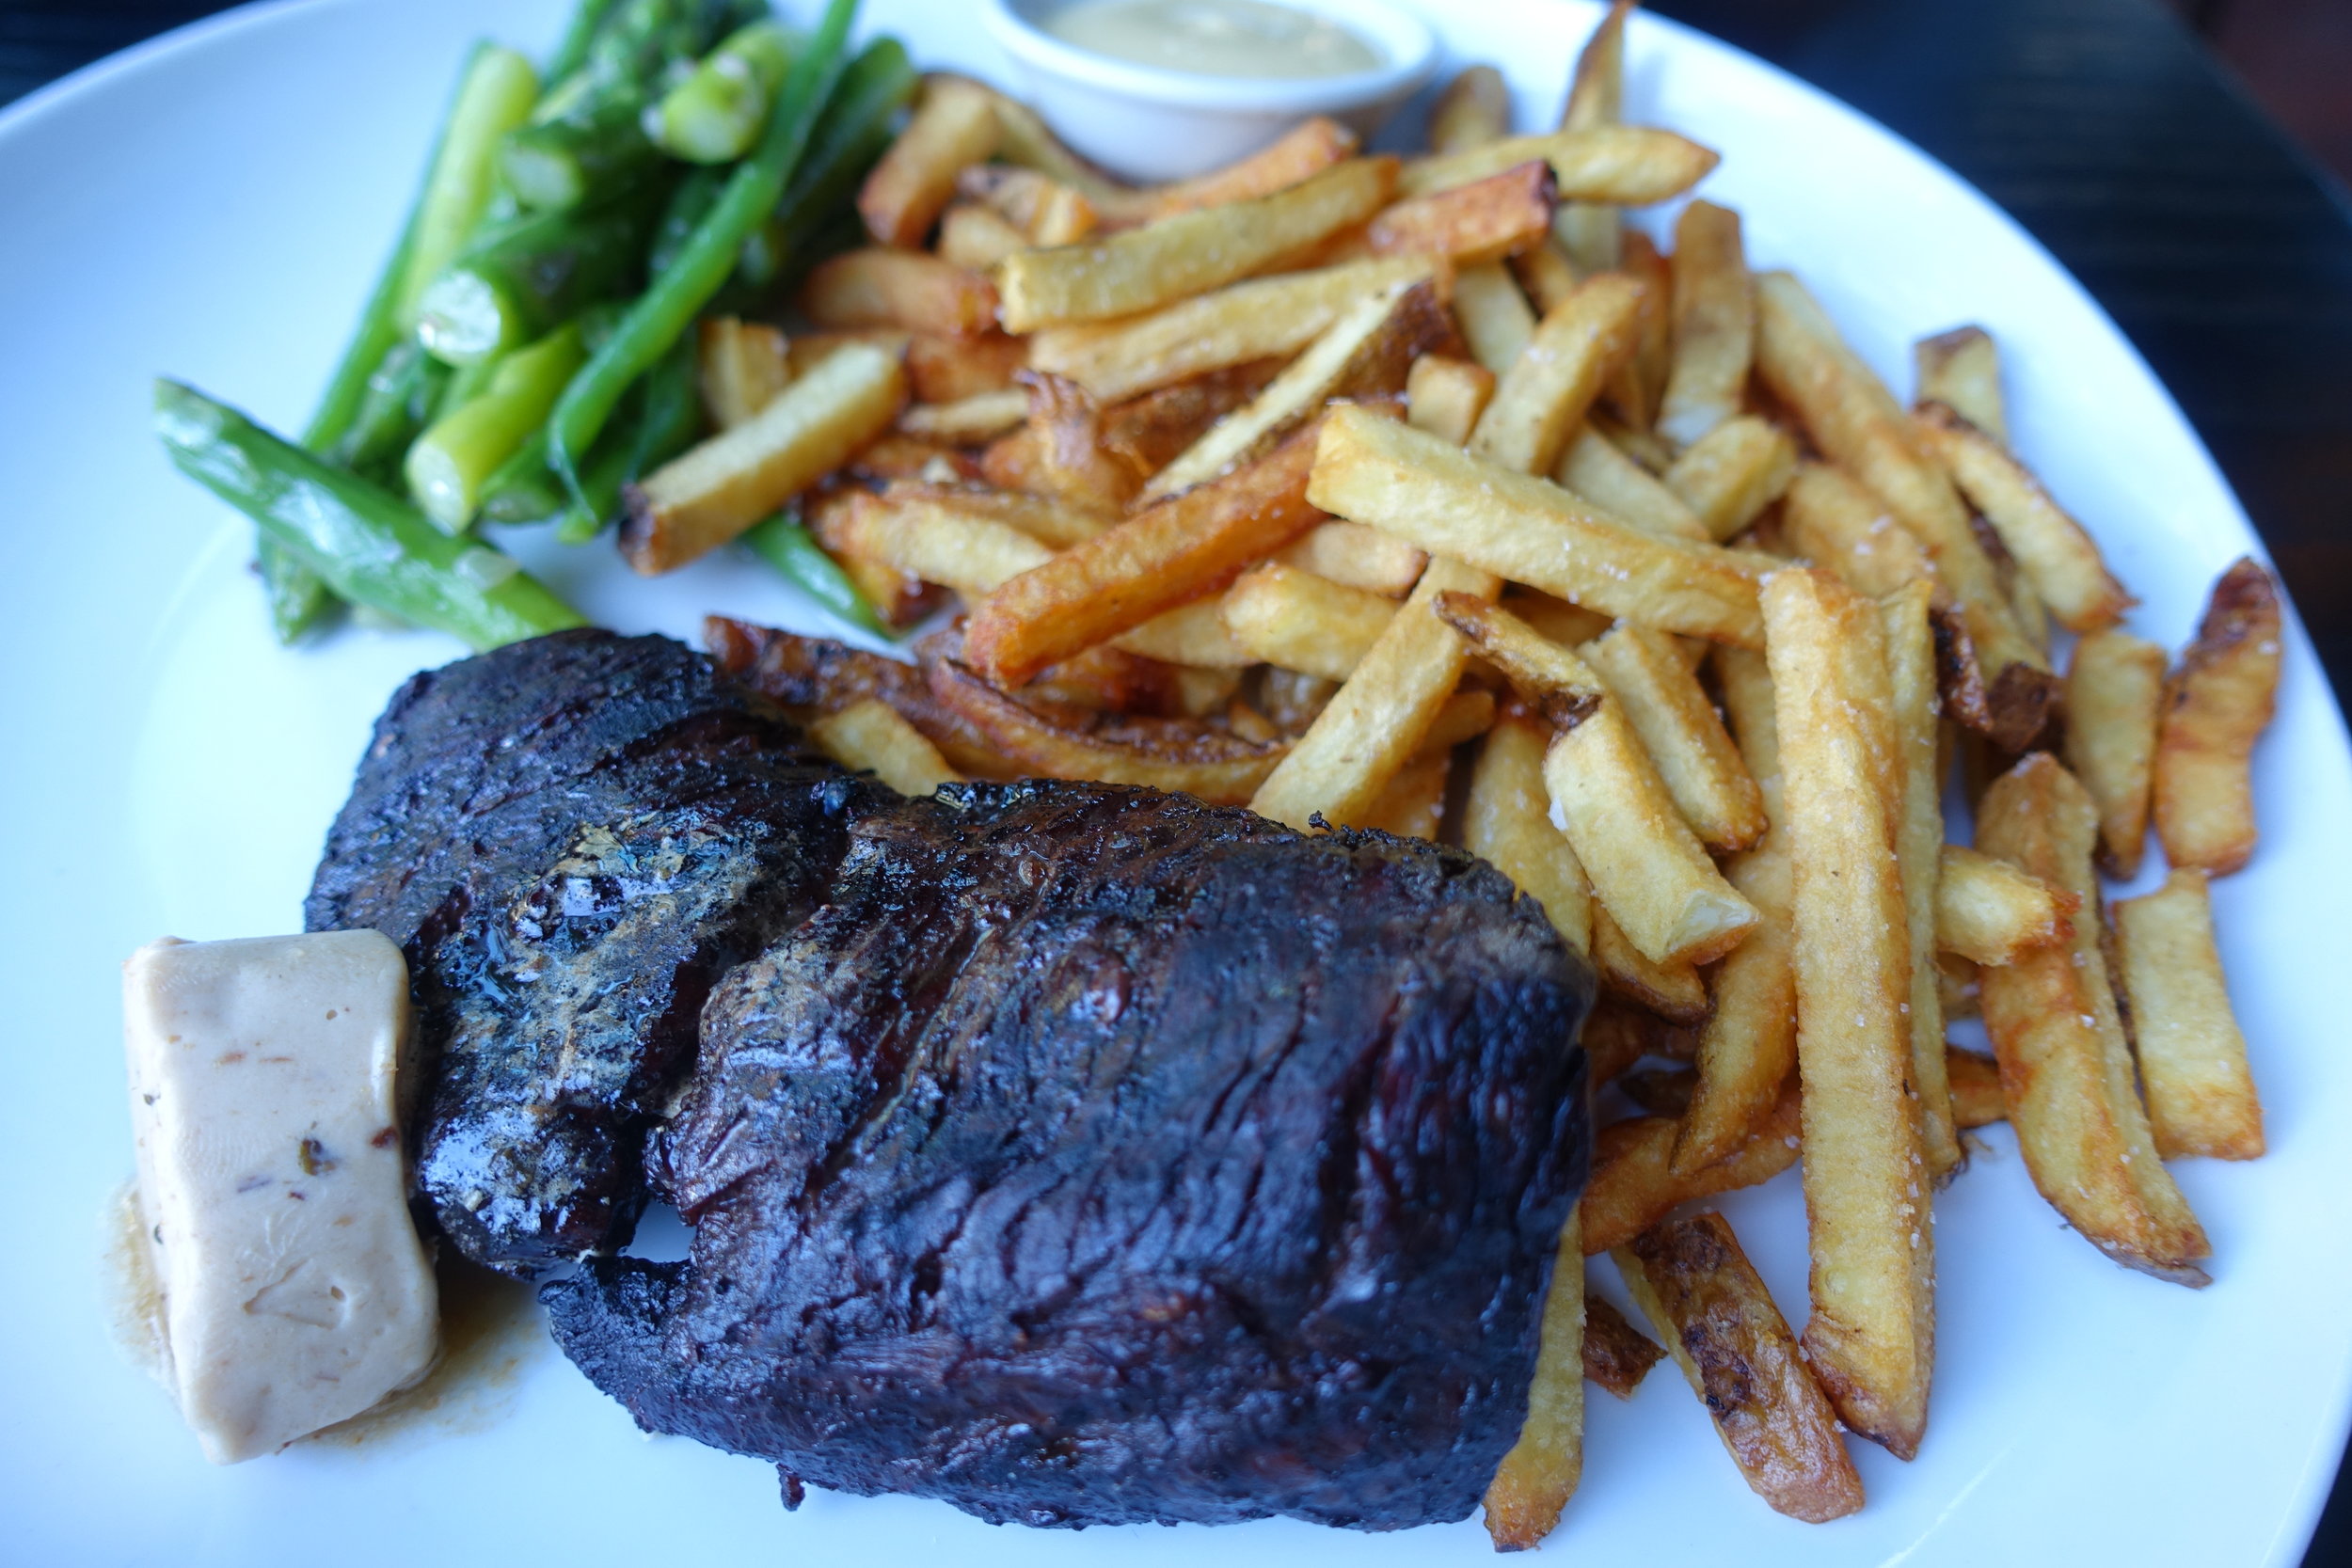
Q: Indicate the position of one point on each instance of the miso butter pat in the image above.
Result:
(272, 1184)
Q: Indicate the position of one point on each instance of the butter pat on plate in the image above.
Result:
(273, 1189)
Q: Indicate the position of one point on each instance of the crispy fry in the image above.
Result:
(1024, 139)
(976, 237)
(1169, 555)
(1976, 1082)
(1633, 1185)
(870, 736)
(1618, 1356)
(714, 491)
(1413, 802)
(1547, 391)
(1302, 622)
(969, 420)
(1570, 625)
(1871, 1335)
(1748, 1044)
(2192, 1058)
(1496, 319)
(1438, 497)
(1714, 325)
(902, 289)
(1733, 472)
(1445, 396)
(939, 368)
(1546, 273)
(1060, 450)
(1596, 469)
(1289, 700)
(2114, 690)
(1299, 154)
(1042, 518)
(1538, 1476)
(812, 677)
(1191, 635)
(2216, 705)
(740, 366)
(1672, 991)
(1680, 730)
(1956, 985)
(1911, 673)
(1483, 221)
(965, 548)
(1620, 1033)
(1552, 680)
(2066, 1071)
(1744, 677)
(1641, 381)
(2056, 555)
(1660, 1091)
(1356, 556)
(1833, 522)
(955, 125)
(1961, 369)
(1589, 231)
(1629, 164)
(895, 455)
(1507, 822)
(1042, 210)
(1989, 911)
(1174, 257)
(1704, 1298)
(1475, 109)
(1063, 216)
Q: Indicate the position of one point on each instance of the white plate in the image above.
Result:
(212, 205)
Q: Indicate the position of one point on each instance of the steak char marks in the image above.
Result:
(1096, 1156)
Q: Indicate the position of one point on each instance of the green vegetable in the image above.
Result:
(370, 546)
(449, 463)
(668, 308)
(857, 127)
(669, 418)
(688, 205)
(582, 157)
(784, 543)
(525, 276)
(588, 19)
(495, 96)
(401, 397)
(714, 116)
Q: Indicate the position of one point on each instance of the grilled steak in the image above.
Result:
(571, 838)
(1096, 1156)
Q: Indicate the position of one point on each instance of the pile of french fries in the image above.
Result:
(1429, 494)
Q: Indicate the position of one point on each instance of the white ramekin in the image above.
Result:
(1147, 124)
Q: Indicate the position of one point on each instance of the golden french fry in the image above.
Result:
(2066, 1070)
(2056, 556)
(1507, 823)
(1956, 985)
(1042, 517)
(1358, 557)
(1631, 166)
(1748, 1044)
(1147, 432)
(902, 289)
(1732, 473)
(1596, 468)
(1833, 522)
(1550, 679)
(1961, 369)
(1496, 320)
(1445, 396)
(2216, 705)
(1475, 109)
(1588, 231)
(1413, 802)
(1173, 258)
(812, 677)
(1192, 636)
(1989, 911)
(1570, 625)
(1063, 216)
(1538, 1476)
(1660, 1091)
(1309, 149)
(1436, 495)
(975, 238)
(1705, 1299)
(2114, 689)
(1911, 670)
(1620, 1033)
(870, 736)
(948, 369)
(1634, 391)
(2192, 1058)
(1618, 1356)
(1259, 319)
(1744, 677)
(1976, 1082)
(967, 421)
(1672, 991)
(1871, 1335)
(1634, 1185)
(1546, 273)
(1684, 736)
(1023, 139)
(710, 492)
(1483, 221)
(1302, 622)
(1461, 718)
(740, 366)
(962, 547)
(955, 125)
(1714, 325)
(1540, 399)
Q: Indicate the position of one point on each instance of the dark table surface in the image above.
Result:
(2221, 252)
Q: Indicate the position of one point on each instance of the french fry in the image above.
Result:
(1976, 1082)
(1672, 991)
(967, 421)
(1358, 557)
(1371, 349)
(1833, 522)
(1990, 913)
(2114, 690)
(1714, 325)
(714, 491)
(902, 289)
(2066, 1071)
(1552, 680)
(1060, 450)
(740, 366)
(1645, 446)
(1259, 319)
(1174, 257)
(1496, 320)
(1618, 1356)
(1871, 1335)
(1436, 495)
(955, 125)
(1413, 802)
(1745, 679)
(1063, 216)
(1540, 399)
(1461, 718)
(1042, 518)
(1957, 985)
(1291, 701)
(1629, 165)
(1539, 1474)
(1475, 109)
(1302, 622)
(1588, 231)
(1961, 369)
(1911, 673)
(939, 368)
(1570, 625)
(1507, 823)
(870, 736)
(2192, 1058)
(1596, 469)
(1483, 221)
(1192, 636)
(1311, 146)
(1733, 472)
(976, 237)
(2216, 705)
(812, 677)
(1747, 1045)
(1703, 1297)
(1545, 273)
(1641, 381)
(1445, 396)
(1660, 1091)
(1685, 739)
(2058, 557)
(1620, 1033)
(1024, 139)
(960, 548)
(1633, 1184)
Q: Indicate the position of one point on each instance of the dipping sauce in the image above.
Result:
(1216, 38)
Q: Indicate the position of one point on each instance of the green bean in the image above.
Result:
(714, 116)
(784, 543)
(523, 489)
(668, 308)
(669, 418)
(370, 546)
(857, 127)
(494, 97)
(688, 205)
(588, 18)
(402, 395)
(523, 277)
(449, 465)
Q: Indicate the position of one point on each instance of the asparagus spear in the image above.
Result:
(565, 163)
(524, 277)
(714, 116)
(369, 545)
(449, 463)
(401, 397)
(495, 96)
